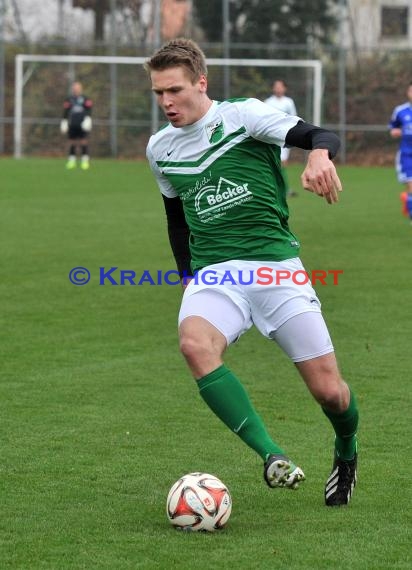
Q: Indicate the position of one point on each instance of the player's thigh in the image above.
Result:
(218, 309)
(304, 337)
(404, 167)
(306, 340)
(285, 291)
(75, 134)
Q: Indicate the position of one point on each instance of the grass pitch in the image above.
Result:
(99, 415)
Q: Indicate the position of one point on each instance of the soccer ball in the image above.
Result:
(198, 501)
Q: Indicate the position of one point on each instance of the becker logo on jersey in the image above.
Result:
(212, 202)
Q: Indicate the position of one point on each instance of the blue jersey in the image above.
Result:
(402, 119)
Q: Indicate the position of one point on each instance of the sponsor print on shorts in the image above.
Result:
(213, 201)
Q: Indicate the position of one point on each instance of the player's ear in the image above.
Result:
(203, 83)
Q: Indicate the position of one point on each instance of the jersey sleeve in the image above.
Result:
(395, 123)
(266, 124)
(292, 110)
(164, 185)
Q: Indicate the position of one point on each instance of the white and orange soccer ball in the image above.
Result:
(198, 501)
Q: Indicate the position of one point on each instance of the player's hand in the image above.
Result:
(396, 133)
(320, 176)
(64, 126)
(86, 124)
(185, 281)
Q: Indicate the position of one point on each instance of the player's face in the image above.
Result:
(182, 101)
(409, 93)
(279, 88)
(76, 89)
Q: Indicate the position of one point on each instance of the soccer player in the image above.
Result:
(401, 128)
(77, 124)
(217, 165)
(281, 102)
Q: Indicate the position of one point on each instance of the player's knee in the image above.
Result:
(333, 396)
(195, 348)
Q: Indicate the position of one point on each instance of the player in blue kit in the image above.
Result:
(401, 128)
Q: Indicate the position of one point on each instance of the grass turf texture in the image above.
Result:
(99, 415)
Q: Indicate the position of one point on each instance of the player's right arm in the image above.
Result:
(66, 108)
(179, 235)
(64, 123)
(395, 125)
(177, 228)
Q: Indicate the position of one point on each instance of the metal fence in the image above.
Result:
(359, 90)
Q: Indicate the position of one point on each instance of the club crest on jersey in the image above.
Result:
(215, 201)
(214, 131)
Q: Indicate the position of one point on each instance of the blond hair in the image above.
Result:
(180, 52)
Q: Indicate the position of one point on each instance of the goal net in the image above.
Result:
(124, 110)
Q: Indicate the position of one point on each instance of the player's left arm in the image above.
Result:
(320, 174)
(87, 121)
(88, 105)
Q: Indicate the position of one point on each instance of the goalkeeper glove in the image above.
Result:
(64, 126)
(86, 124)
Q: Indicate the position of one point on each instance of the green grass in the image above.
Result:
(99, 415)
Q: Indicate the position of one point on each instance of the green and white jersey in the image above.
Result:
(226, 170)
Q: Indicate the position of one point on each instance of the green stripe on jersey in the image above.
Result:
(205, 156)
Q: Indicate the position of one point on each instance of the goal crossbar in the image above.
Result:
(21, 59)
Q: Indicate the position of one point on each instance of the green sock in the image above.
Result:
(227, 398)
(345, 426)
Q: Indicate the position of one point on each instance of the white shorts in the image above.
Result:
(235, 295)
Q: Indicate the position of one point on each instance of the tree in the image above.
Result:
(268, 21)
(102, 8)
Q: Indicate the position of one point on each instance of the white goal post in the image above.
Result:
(21, 79)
